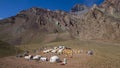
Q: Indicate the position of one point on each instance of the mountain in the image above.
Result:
(100, 24)
(79, 9)
(42, 25)
(35, 25)
(97, 25)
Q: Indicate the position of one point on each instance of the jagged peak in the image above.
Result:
(78, 7)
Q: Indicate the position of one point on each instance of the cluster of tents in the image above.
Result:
(53, 59)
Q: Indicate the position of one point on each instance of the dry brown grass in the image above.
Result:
(106, 55)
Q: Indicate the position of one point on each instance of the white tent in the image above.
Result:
(54, 59)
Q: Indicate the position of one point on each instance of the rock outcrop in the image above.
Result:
(79, 9)
(97, 25)
(112, 7)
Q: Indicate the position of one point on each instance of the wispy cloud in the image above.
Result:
(0, 18)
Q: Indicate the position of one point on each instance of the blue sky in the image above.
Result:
(12, 7)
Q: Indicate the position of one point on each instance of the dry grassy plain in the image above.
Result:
(106, 55)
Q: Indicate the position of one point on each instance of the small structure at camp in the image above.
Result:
(37, 57)
(44, 59)
(65, 61)
(29, 57)
(54, 59)
(90, 52)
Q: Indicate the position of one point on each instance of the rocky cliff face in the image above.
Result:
(112, 7)
(97, 25)
(101, 22)
(36, 24)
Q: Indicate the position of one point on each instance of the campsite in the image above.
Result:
(101, 57)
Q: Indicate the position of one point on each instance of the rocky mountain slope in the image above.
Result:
(38, 25)
(112, 7)
(35, 24)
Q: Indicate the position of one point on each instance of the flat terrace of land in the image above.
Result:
(106, 55)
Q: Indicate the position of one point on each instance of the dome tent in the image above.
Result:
(54, 59)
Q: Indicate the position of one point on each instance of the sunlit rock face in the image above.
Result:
(111, 6)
